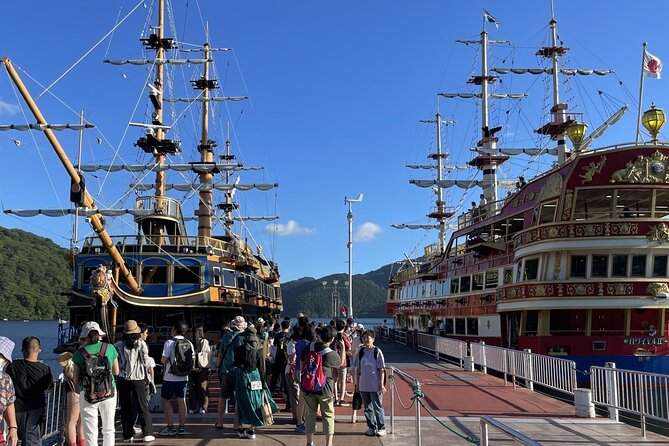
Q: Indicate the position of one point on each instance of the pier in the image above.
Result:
(457, 400)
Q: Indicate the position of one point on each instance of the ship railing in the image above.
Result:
(399, 336)
(394, 372)
(517, 436)
(547, 371)
(68, 334)
(440, 347)
(643, 394)
(54, 413)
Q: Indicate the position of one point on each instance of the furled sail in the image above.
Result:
(531, 152)
(195, 167)
(566, 71)
(203, 99)
(207, 187)
(430, 166)
(85, 212)
(478, 95)
(408, 226)
(42, 127)
(463, 184)
(156, 61)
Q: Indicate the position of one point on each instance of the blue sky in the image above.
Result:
(337, 89)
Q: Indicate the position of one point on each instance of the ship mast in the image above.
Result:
(206, 150)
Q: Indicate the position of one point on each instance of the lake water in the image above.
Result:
(46, 331)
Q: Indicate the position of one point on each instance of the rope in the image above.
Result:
(418, 394)
(394, 386)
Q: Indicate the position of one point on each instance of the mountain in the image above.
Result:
(308, 295)
(33, 273)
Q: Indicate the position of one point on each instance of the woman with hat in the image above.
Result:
(132, 380)
(7, 394)
(106, 409)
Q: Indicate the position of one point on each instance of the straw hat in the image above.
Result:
(131, 327)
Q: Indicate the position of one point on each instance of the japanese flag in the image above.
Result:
(652, 66)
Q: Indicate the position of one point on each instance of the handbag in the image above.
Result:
(356, 404)
(266, 410)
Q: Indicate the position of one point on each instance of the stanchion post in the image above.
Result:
(484, 433)
(612, 388)
(392, 400)
(642, 402)
(419, 440)
(530, 369)
(484, 362)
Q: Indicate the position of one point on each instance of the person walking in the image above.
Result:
(94, 349)
(342, 345)
(199, 377)
(249, 387)
(31, 379)
(371, 383)
(224, 359)
(132, 379)
(178, 358)
(7, 394)
(323, 397)
(74, 430)
(150, 364)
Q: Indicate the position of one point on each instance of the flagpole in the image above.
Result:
(638, 115)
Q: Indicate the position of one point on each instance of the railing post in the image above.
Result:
(484, 433)
(392, 400)
(484, 362)
(462, 356)
(642, 403)
(419, 441)
(612, 389)
(530, 369)
(436, 348)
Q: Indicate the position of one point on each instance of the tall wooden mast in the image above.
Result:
(96, 219)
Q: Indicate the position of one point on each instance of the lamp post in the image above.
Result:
(335, 296)
(350, 201)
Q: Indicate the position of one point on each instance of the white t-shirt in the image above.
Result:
(168, 352)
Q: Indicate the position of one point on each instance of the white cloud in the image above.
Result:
(8, 109)
(366, 232)
(290, 228)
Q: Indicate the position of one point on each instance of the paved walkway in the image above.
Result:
(456, 397)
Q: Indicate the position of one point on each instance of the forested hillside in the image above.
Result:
(33, 274)
(308, 295)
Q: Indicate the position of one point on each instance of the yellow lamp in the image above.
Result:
(653, 120)
(575, 133)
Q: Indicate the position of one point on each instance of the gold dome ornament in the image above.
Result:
(653, 120)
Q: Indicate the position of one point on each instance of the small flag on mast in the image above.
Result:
(342, 310)
(652, 66)
(490, 19)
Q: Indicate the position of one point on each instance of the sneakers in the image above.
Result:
(128, 440)
(191, 411)
(149, 438)
(202, 411)
(343, 403)
(250, 434)
(181, 431)
(137, 430)
(300, 428)
(354, 419)
(168, 431)
(241, 433)
(370, 432)
(311, 444)
(381, 433)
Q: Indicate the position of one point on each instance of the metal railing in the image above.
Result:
(393, 391)
(399, 336)
(54, 412)
(517, 436)
(640, 393)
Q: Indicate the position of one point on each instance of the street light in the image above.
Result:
(335, 296)
(349, 201)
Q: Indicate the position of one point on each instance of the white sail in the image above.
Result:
(463, 184)
(85, 212)
(202, 99)
(527, 151)
(430, 166)
(42, 127)
(207, 187)
(565, 71)
(156, 61)
(478, 95)
(408, 226)
(195, 167)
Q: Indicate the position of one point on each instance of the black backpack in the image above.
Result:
(248, 353)
(183, 358)
(361, 353)
(97, 377)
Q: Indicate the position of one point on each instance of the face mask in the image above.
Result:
(3, 363)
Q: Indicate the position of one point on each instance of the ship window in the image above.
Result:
(465, 284)
(660, 266)
(85, 276)
(508, 276)
(491, 279)
(460, 326)
(634, 201)
(217, 276)
(578, 265)
(593, 203)
(241, 281)
(455, 286)
(661, 203)
(228, 278)
(547, 214)
(154, 274)
(619, 263)
(472, 326)
(638, 266)
(531, 270)
(600, 266)
(477, 283)
(186, 274)
(531, 323)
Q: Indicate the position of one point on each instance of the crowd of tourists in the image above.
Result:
(310, 366)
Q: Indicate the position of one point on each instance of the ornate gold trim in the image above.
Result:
(593, 168)
(657, 287)
(645, 169)
(659, 233)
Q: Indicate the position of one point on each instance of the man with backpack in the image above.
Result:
(317, 364)
(178, 358)
(371, 383)
(96, 365)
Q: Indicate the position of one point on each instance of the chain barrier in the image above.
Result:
(394, 386)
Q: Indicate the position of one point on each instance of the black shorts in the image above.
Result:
(227, 385)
